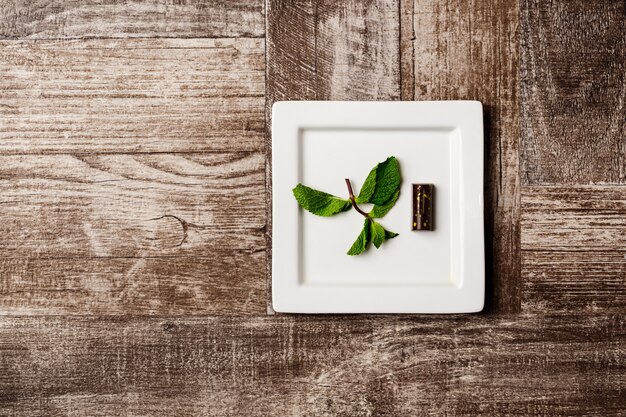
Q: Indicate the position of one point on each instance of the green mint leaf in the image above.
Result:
(318, 202)
(390, 235)
(361, 242)
(387, 181)
(380, 211)
(368, 187)
(378, 234)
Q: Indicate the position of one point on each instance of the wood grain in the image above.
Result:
(580, 281)
(59, 206)
(591, 218)
(548, 365)
(132, 234)
(132, 95)
(217, 282)
(328, 50)
(62, 19)
(574, 248)
(573, 91)
(458, 50)
(132, 198)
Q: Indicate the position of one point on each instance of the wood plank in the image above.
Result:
(584, 218)
(132, 234)
(546, 365)
(589, 281)
(131, 95)
(573, 92)
(574, 248)
(328, 50)
(218, 282)
(455, 50)
(62, 19)
(148, 205)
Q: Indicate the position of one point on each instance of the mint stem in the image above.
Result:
(353, 200)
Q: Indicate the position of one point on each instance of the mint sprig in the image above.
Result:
(381, 188)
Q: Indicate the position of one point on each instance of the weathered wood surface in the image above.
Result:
(328, 50)
(55, 19)
(463, 366)
(591, 218)
(217, 282)
(573, 63)
(574, 248)
(459, 50)
(132, 184)
(67, 220)
(59, 206)
(574, 280)
(131, 95)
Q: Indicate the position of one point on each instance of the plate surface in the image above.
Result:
(321, 143)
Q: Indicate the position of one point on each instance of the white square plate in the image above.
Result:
(319, 143)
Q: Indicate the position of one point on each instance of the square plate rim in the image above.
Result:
(289, 115)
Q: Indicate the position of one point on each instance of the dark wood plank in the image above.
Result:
(545, 365)
(59, 206)
(574, 248)
(217, 282)
(590, 218)
(131, 95)
(62, 19)
(453, 49)
(580, 281)
(573, 63)
(328, 50)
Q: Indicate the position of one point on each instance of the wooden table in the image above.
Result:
(134, 153)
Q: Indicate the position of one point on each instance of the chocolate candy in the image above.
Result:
(423, 206)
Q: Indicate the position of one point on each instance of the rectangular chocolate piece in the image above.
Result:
(423, 206)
